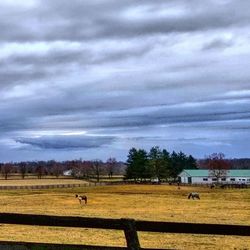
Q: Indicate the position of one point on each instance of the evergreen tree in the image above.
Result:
(178, 163)
(158, 163)
(191, 163)
(166, 162)
(136, 164)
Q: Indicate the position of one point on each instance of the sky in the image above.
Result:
(91, 79)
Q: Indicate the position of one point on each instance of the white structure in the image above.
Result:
(68, 172)
(204, 176)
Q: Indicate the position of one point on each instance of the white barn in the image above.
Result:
(203, 176)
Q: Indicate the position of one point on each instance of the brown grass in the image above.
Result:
(34, 181)
(146, 202)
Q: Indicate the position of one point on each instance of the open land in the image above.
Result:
(144, 202)
(33, 181)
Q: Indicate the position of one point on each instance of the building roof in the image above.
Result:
(206, 172)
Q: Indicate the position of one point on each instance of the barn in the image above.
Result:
(204, 176)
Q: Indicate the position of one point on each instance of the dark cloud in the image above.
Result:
(217, 44)
(16, 77)
(59, 20)
(67, 142)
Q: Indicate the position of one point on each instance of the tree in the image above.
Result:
(6, 169)
(217, 165)
(39, 170)
(136, 164)
(23, 169)
(97, 166)
(56, 169)
(175, 165)
(179, 161)
(191, 163)
(166, 161)
(110, 166)
(158, 163)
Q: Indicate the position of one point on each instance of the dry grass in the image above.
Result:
(17, 176)
(146, 202)
(33, 182)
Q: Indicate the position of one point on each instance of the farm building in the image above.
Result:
(205, 176)
(68, 172)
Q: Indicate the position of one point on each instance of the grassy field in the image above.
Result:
(34, 181)
(146, 202)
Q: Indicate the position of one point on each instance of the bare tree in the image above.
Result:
(86, 169)
(97, 167)
(110, 166)
(217, 165)
(40, 170)
(80, 169)
(23, 169)
(6, 169)
(57, 169)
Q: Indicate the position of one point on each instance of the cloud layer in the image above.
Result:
(92, 79)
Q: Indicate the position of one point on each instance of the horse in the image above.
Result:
(82, 198)
(194, 195)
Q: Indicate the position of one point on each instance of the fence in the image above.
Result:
(10, 187)
(129, 226)
(88, 184)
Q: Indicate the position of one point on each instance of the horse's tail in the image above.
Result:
(189, 195)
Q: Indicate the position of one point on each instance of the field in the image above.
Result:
(34, 181)
(145, 202)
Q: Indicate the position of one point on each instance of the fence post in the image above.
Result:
(131, 234)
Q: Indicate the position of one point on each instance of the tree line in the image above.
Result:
(77, 168)
(243, 163)
(140, 165)
(157, 164)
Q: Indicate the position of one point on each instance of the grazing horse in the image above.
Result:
(82, 198)
(194, 195)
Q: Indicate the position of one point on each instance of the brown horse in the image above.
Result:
(82, 198)
(193, 196)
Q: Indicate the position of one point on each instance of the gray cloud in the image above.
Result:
(217, 44)
(59, 20)
(66, 142)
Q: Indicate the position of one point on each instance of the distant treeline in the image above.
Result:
(77, 168)
(157, 163)
(241, 163)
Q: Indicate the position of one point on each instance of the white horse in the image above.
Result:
(194, 195)
(82, 198)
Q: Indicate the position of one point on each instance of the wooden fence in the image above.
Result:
(91, 184)
(129, 226)
(10, 187)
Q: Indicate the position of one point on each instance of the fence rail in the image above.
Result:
(91, 184)
(129, 226)
(10, 187)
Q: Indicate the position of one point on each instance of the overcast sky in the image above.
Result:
(91, 79)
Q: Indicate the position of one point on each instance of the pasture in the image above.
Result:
(35, 181)
(145, 202)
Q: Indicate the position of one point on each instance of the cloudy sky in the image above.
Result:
(92, 79)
